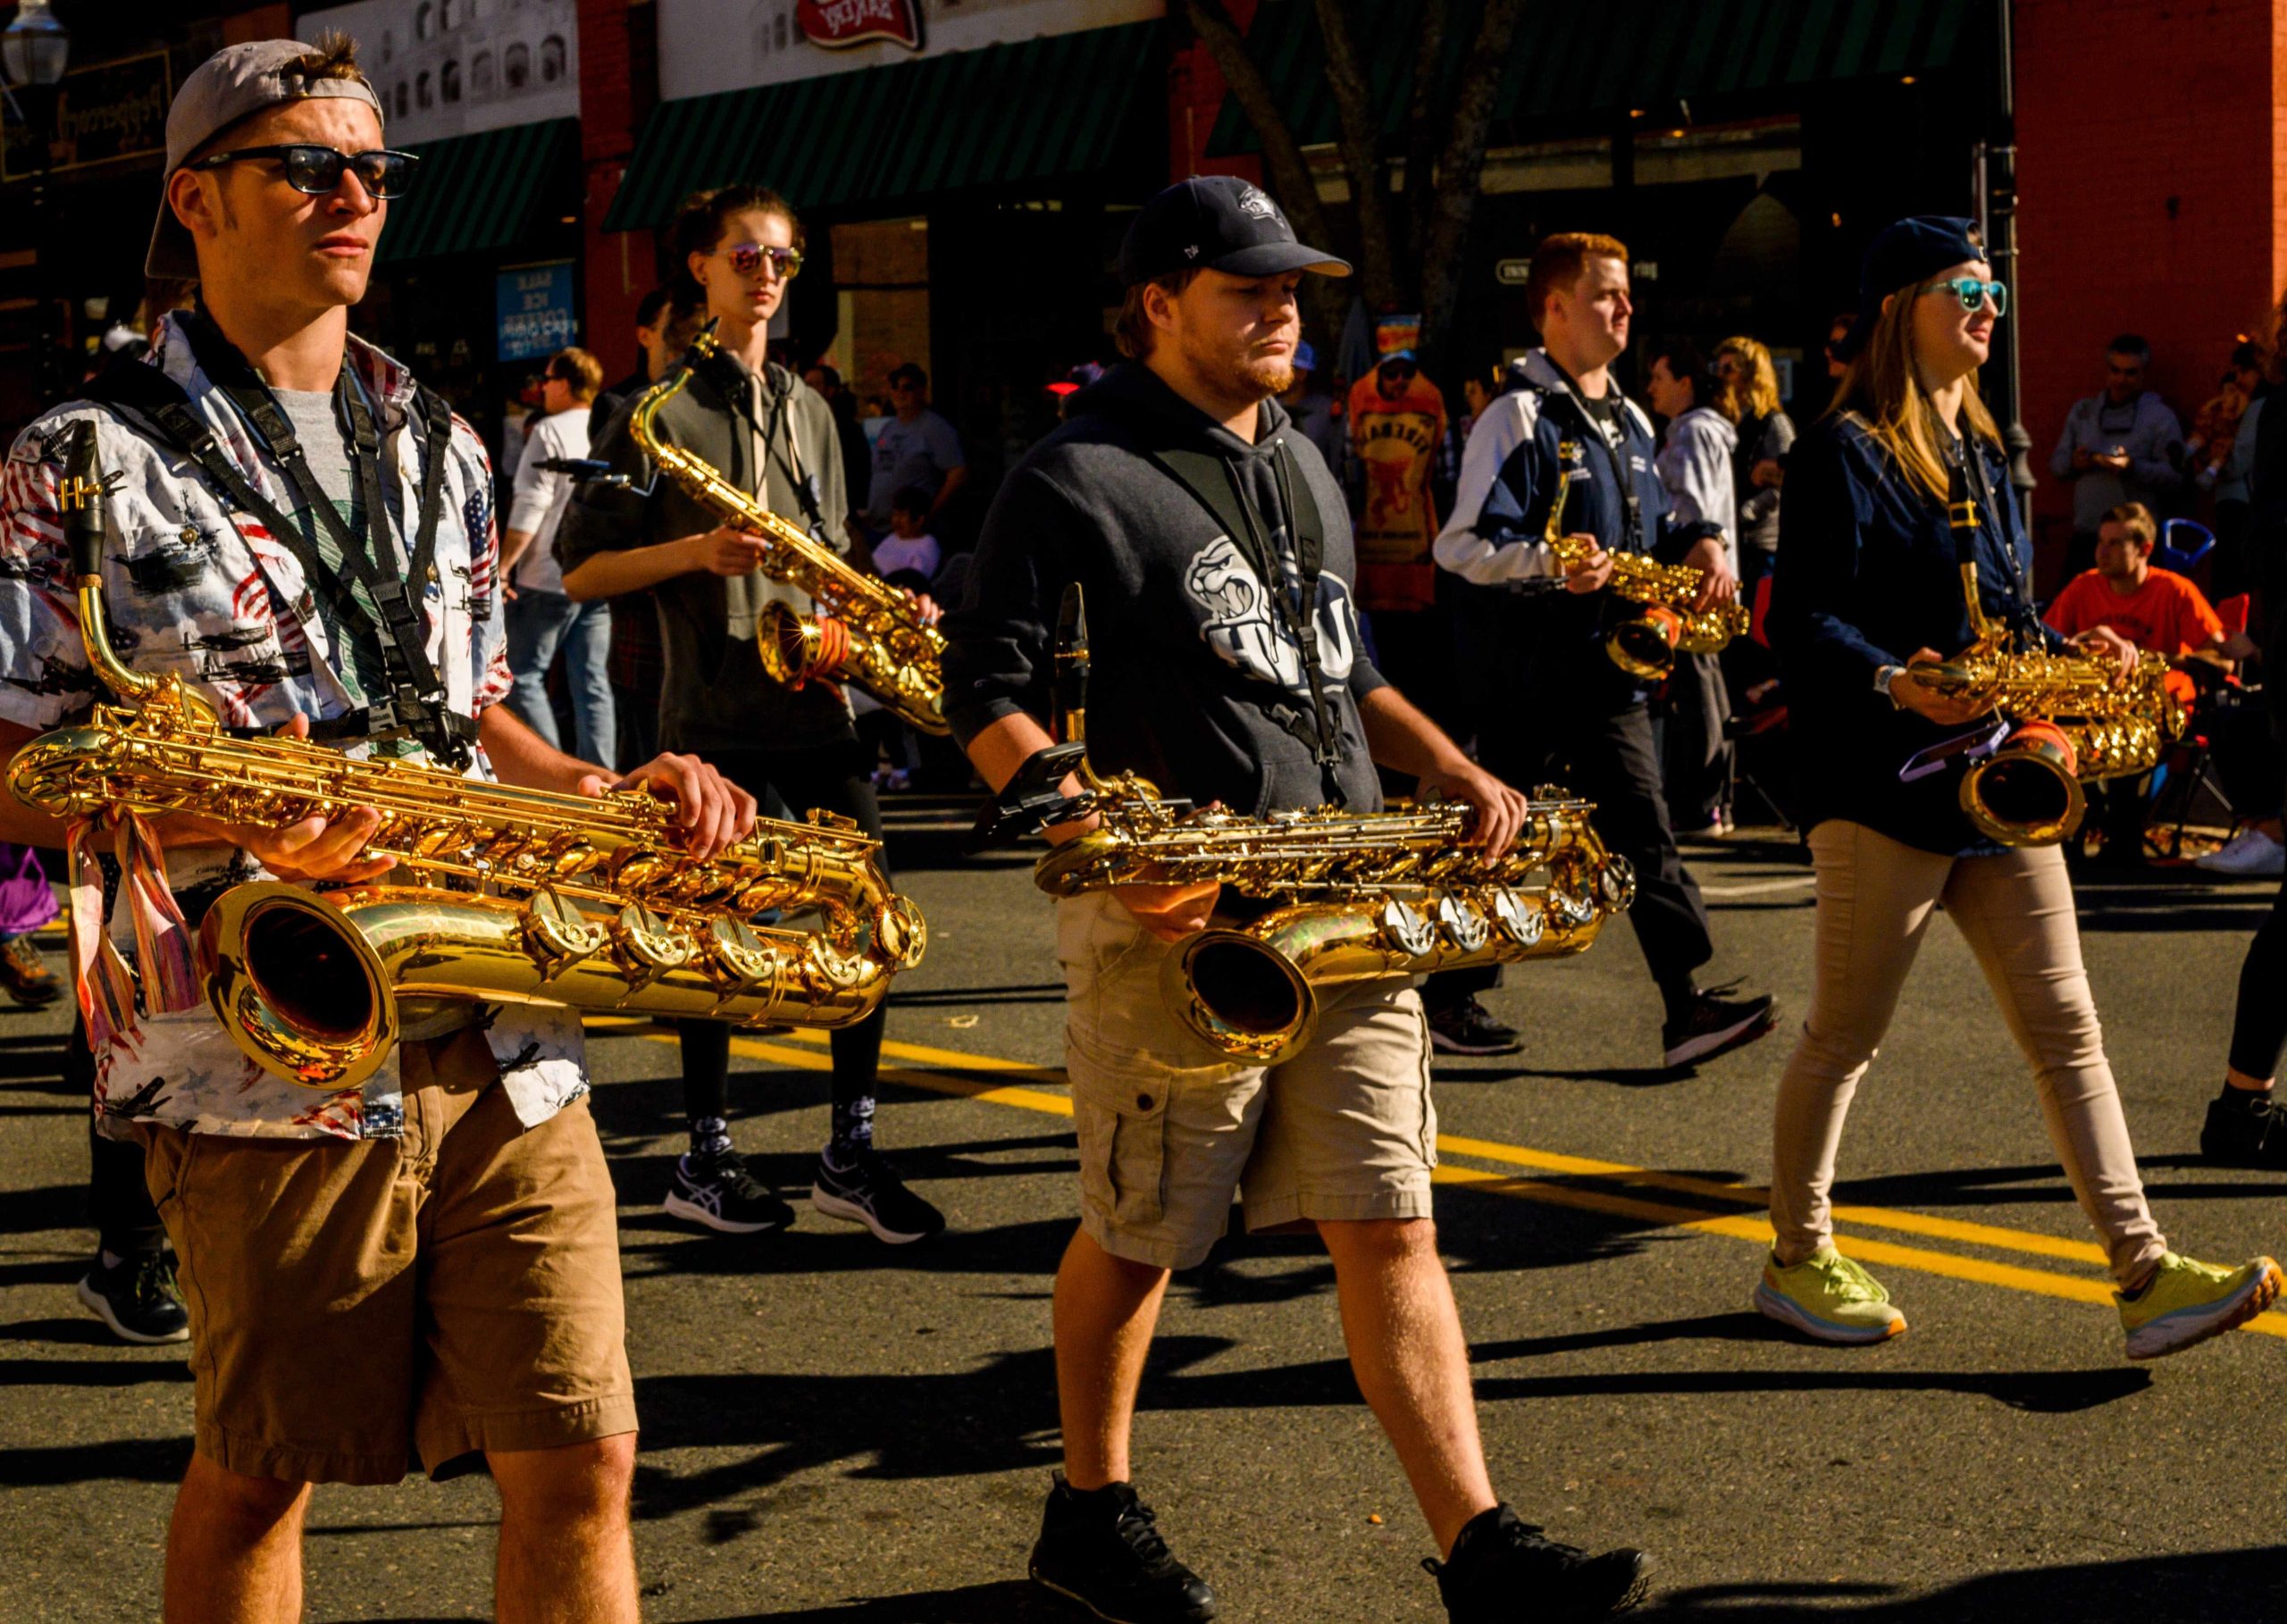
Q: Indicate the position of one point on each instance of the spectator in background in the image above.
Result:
(1746, 393)
(1397, 432)
(2160, 612)
(857, 450)
(1837, 330)
(915, 448)
(2215, 432)
(542, 619)
(1478, 391)
(2121, 446)
(1694, 464)
(1313, 408)
(910, 548)
(655, 352)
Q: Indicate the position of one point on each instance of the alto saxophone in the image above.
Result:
(1646, 646)
(866, 630)
(506, 894)
(2072, 719)
(1353, 895)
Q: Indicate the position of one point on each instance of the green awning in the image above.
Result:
(1036, 110)
(479, 193)
(1573, 61)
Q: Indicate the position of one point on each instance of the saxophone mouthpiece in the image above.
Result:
(79, 493)
(1072, 665)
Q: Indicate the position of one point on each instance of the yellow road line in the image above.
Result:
(1739, 1227)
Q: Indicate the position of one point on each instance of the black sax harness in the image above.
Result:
(413, 704)
(1212, 483)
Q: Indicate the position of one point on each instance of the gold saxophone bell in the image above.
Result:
(2027, 793)
(1645, 647)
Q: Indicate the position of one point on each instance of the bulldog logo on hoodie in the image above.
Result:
(1237, 621)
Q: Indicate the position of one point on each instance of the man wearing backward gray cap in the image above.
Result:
(423, 1268)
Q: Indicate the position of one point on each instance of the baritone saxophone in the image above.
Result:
(501, 894)
(865, 629)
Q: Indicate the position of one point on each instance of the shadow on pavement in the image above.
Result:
(1002, 1602)
(2251, 1584)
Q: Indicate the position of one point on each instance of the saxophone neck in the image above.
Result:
(87, 527)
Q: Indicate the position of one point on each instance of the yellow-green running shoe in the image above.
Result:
(2187, 1301)
(1829, 1297)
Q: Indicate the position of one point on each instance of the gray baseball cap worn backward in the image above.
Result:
(233, 83)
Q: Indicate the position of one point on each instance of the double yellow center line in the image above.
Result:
(1635, 1195)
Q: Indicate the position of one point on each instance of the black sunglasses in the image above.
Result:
(317, 170)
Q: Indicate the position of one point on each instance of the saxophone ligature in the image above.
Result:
(1645, 646)
(501, 894)
(1344, 895)
(865, 629)
(2070, 717)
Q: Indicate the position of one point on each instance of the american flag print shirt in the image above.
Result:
(207, 592)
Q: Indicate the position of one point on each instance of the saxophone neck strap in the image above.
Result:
(1212, 483)
(415, 703)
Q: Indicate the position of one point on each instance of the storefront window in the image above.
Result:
(551, 59)
(516, 66)
(450, 83)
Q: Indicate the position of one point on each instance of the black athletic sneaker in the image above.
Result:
(1717, 1025)
(2246, 1127)
(137, 1298)
(871, 1194)
(719, 1192)
(1468, 1027)
(1503, 1572)
(1102, 1550)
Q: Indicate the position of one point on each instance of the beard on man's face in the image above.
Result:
(1237, 370)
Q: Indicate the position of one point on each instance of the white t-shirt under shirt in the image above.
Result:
(895, 553)
(538, 497)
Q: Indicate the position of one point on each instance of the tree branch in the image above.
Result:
(1421, 133)
(1358, 139)
(1284, 165)
(1461, 166)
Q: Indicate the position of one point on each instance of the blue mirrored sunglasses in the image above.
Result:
(1973, 292)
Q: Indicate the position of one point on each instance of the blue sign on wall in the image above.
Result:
(535, 307)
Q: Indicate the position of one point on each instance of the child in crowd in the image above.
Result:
(908, 546)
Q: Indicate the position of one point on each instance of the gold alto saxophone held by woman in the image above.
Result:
(1353, 895)
(2071, 717)
(501, 894)
(1647, 645)
(865, 630)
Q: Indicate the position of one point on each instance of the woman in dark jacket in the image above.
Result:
(1869, 583)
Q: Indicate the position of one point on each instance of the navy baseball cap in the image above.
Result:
(1903, 252)
(1216, 222)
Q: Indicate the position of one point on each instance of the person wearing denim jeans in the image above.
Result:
(542, 619)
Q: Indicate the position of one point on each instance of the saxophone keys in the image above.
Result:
(1464, 923)
(900, 934)
(558, 935)
(1519, 917)
(1616, 882)
(739, 960)
(1407, 928)
(648, 948)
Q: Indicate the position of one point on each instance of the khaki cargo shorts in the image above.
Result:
(1169, 1129)
(355, 1305)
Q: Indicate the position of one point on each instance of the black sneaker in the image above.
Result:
(25, 976)
(1103, 1551)
(870, 1192)
(719, 1192)
(1502, 1572)
(2246, 1127)
(1468, 1027)
(137, 1298)
(1717, 1025)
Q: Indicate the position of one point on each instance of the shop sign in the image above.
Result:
(105, 113)
(1513, 272)
(534, 304)
(835, 23)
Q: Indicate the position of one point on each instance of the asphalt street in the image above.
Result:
(835, 1430)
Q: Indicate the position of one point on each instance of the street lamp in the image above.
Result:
(35, 48)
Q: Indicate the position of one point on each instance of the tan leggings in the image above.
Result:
(1875, 896)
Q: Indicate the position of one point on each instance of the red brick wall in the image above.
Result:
(617, 87)
(2152, 144)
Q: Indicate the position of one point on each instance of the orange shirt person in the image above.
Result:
(2157, 609)
(1397, 419)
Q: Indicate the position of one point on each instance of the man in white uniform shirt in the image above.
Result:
(542, 619)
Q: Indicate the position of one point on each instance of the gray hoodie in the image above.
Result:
(2144, 428)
